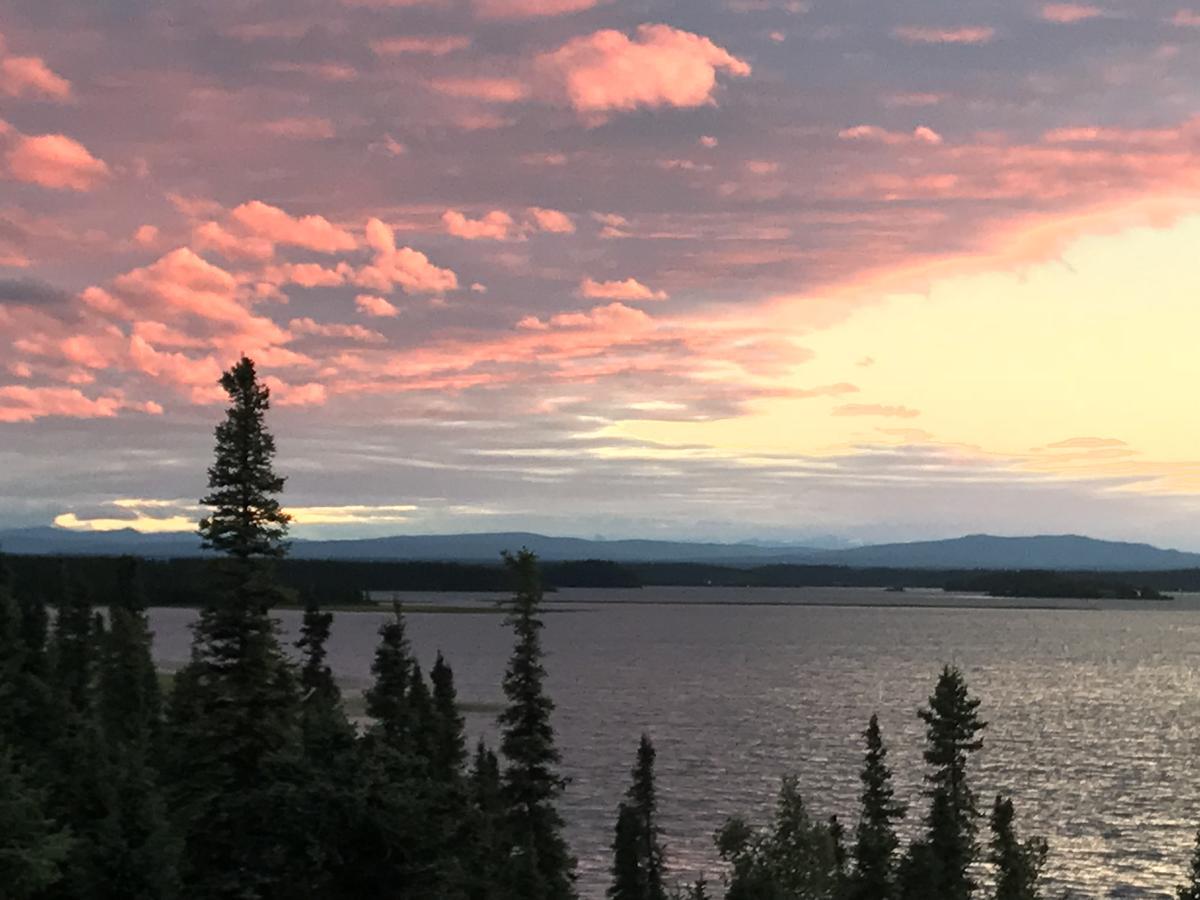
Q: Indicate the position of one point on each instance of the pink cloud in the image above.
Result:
(427, 45)
(310, 232)
(1185, 18)
(551, 220)
(22, 76)
(616, 318)
(494, 90)
(629, 289)
(970, 35)
(406, 267)
(374, 306)
(528, 9)
(309, 275)
(55, 161)
(213, 236)
(312, 328)
(1069, 13)
(284, 394)
(25, 404)
(186, 286)
(661, 66)
(495, 226)
(146, 235)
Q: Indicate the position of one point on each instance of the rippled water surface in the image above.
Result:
(1094, 713)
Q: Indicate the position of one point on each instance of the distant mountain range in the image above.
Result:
(977, 551)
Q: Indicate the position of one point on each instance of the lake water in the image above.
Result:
(1094, 710)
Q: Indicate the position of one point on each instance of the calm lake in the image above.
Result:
(1094, 709)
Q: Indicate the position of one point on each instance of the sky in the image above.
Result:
(711, 269)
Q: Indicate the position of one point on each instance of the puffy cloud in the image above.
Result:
(427, 45)
(404, 266)
(495, 226)
(183, 285)
(309, 275)
(310, 232)
(629, 289)
(213, 236)
(528, 9)
(1069, 13)
(19, 403)
(912, 34)
(22, 76)
(660, 66)
(55, 161)
(551, 220)
(284, 394)
(146, 235)
(616, 319)
(376, 307)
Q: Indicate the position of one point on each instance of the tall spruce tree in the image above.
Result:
(246, 520)
(875, 839)
(638, 859)
(397, 846)
(1018, 864)
(940, 864)
(540, 867)
(233, 711)
(330, 794)
(1191, 890)
(448, 749)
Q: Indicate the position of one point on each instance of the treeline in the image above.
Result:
(187, 582)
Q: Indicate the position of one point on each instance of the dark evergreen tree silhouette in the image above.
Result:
(233, 713)
(638, 857)
(1191, 890)
(246, 520)
(539, 865)
(1018, 864)
(940, 864)
(401, 844)
(448, 749)
(875, 840)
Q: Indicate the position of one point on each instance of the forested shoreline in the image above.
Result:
(247, 779)
(334, 583)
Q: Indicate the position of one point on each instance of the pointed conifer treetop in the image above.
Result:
(246, 520)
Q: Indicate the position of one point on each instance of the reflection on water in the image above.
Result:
(1094, 713)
